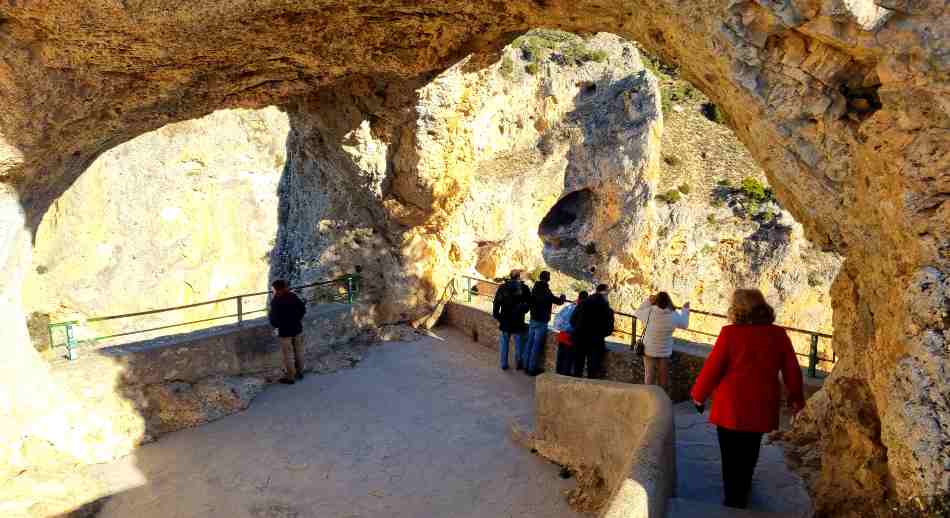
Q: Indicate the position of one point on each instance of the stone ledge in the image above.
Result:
(617, 437)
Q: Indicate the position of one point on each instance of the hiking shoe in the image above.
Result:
(504, 368)
(286, 381)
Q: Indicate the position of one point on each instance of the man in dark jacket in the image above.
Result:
(541, 301)
(512, 301)
(593, 322)
(286, 313)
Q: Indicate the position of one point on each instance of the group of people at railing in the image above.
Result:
(742, 369)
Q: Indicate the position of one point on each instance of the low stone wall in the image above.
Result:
(617, 437)
(620, 364)
(147, 389)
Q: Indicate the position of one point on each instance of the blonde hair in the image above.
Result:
(749, 307)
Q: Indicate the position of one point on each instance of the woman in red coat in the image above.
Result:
(743, 371)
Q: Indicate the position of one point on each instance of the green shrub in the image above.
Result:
(531, 68)
(671, 160)
(669, 197)
(724, 182)
(507, 67)
(598, 56)
(711, 219)
(684, 188)
(754, 190)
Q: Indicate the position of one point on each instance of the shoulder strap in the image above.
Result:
(647, 324)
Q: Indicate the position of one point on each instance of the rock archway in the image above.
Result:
(844, 104)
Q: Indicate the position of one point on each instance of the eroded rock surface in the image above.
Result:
(843, 104)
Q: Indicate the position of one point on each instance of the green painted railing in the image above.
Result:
(472, 291)
(344, 289)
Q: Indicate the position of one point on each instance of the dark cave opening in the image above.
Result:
(565, 213)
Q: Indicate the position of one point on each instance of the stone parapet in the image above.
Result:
(617, 437)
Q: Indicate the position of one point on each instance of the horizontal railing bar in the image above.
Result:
(165, 327)
(699, 311)
(205, 303)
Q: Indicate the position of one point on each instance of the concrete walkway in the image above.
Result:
(417, 429)
(775, 488)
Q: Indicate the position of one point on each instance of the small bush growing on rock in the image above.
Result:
(531, 68)
(507, 67)
(669, 197)
(711, 219)
(684, 188)
(672, 160)
(754, 190)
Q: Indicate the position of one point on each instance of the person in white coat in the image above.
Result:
(660, 318)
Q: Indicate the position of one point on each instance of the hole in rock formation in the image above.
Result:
(565, 217)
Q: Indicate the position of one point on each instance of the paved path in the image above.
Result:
(417, 429)
(775, 488)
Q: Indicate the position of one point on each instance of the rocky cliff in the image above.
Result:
(183, 214)
(554, 157)
(841, 103)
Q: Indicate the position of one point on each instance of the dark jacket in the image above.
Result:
(286, 312)
(512, 302)
(593, 320)
(541, 300)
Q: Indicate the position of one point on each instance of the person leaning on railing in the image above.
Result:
(660, 318)
(743, 370)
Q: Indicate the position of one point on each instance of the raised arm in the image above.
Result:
(681, 317)
(792, 375)
(713, 369)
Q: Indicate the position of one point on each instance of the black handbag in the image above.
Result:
(640, 348)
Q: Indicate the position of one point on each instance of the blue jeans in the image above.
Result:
(537, 333)
(519, 348)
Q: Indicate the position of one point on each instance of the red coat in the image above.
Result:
(743, 370)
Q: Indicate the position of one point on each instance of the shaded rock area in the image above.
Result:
(842, 103)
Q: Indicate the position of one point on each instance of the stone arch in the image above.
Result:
(843, 104)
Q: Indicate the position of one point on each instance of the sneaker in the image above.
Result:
(286, 381)
(519, 367)
(504, 368)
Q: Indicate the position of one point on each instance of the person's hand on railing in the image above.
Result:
(796, 407)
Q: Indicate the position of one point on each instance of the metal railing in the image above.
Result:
(472, 290)
(341, 290)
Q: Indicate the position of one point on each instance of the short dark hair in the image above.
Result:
(663, 300)
(279, 284)
(515, 274)
(545, 276)
(602, 288)
(582, 295)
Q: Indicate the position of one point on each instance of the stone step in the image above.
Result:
(682, 508)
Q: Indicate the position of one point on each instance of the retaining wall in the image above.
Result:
(139, 391)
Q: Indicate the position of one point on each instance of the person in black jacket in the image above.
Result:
(286, 313)
(593, 322)
(512, 301)
(541, 301)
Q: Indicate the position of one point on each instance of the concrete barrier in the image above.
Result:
(623, 433)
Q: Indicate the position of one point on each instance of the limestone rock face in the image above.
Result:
(539, 161)
(183, 214)
(842, 103)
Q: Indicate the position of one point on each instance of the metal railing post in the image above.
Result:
(633, 333)
(71, 346)
(349, 289)
(813, 357)
(240, 309)
(469, 290)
